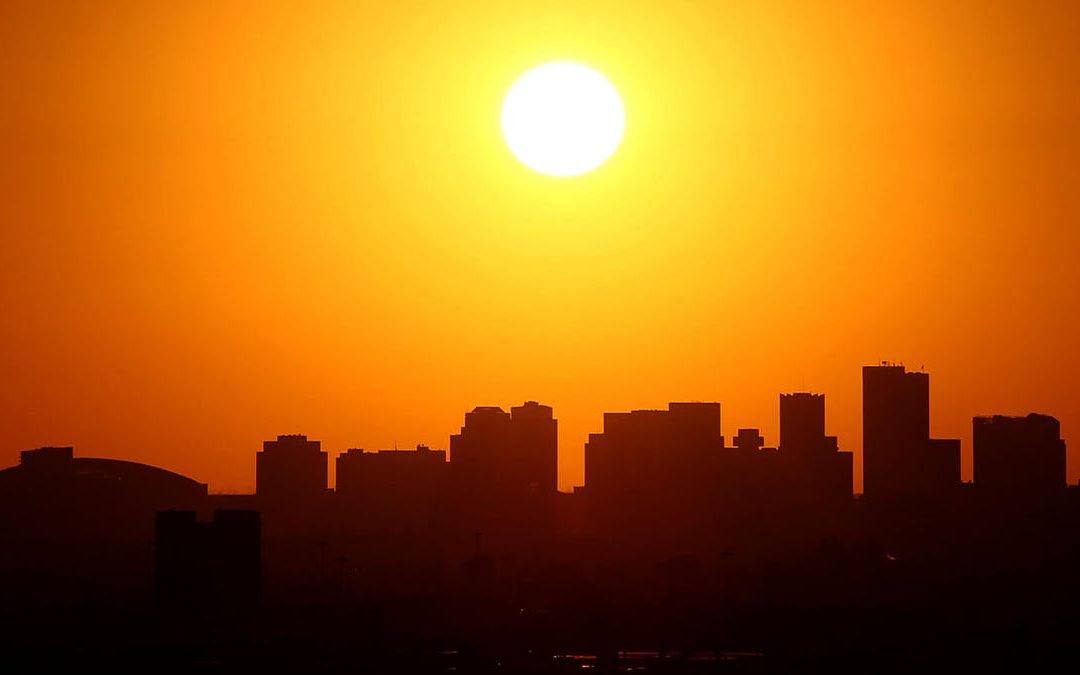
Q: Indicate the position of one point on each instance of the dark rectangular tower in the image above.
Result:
(536, 439)
(899, 457)
(814, 465)
(802, 424)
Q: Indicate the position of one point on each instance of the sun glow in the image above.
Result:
(563, 119)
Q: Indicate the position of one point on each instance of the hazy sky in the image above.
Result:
(221, 221)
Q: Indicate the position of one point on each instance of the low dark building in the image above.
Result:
(363, 473)
(391, 479)
(208, 567)
(78, 526)
(290, 469)
(1019, 456)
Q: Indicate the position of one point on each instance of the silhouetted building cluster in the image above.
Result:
(504, 453)
(899, 457)
(814, 464)
(645, 452)
(676, 536)
(680, 451)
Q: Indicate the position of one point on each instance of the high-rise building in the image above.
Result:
(478, 454)
(536, 441)
(802, 424)
(899, 457)
(290, 468)
(1019, 456)
(812, 460)
(515, 452)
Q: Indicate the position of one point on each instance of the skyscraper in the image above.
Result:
(812, 460)
(536, 439)
(802, 424)
(899, 457)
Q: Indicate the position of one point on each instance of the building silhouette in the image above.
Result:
(207, 567)
(398, 475)
(643, 452)
(802, 425)
(748, 440)
(812, 460)
(57, 469)
(361, 473)
(1021, 457)
(55, 491)
(899, 457)
(75, 528)
(507, 453)
(535, 436)
(680, 554)
(291, 468)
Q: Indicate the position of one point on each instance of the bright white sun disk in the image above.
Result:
(563, 119)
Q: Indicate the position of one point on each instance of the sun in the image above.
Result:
(563, 119)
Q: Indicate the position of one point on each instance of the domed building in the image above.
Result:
(85, 520)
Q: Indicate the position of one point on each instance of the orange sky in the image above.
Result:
(221, 221)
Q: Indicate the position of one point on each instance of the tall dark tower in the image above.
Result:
(478, 452)
(535, 435)
(812, 460)
(899, 457)
(802, 424)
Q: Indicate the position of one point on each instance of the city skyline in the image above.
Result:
(951, 415)
(539, 337)
(222, 222)
(806, 420)
(682, 551)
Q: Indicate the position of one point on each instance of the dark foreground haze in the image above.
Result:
(682, 553)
